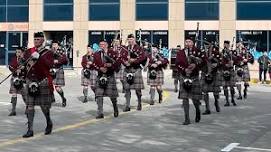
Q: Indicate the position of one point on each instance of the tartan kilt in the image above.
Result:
(231, 82)
(138, 79)
(111, 89)
(194, 94)
(159, 79)
(213, 87)
(246, 76)
(175, 74)
(45, 98)
(60, 78)
(12, 89)
(119, 74)
(91, 81)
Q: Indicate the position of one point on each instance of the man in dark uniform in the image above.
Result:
(175, 72)
(155, 75)
(106, 63)
(132, 59)
(39, 83)
(188, 62)
(60, 59)
(16, 84)
(210, 78)
(88, 73)
(228, 62)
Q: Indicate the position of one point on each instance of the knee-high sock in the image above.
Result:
(14, 103)
(160, 93)
(60, 92)
(239, 88)
(206, 100)
(152, 93)
(232, 93)
(128, 97)
(100, 105)
(226, 93)
(46, 112)
(186, 109)
(139, 94)
(30, 117)
(85, 92)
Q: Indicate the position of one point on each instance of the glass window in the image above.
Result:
(154, 37)
(152, 9)
(2, 13)
(209, 36)
(17, 14)
(106, 10)
(256, 40)
(58, 10)
(18, 2)
(2, 2)
(253, 10)
(96, 36)
(201, 10)
(2, 48)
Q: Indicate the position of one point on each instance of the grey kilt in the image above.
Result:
(195, 93)
(60, 78)
(138, 79)
(111, 89)
(45, 98)
(231, 82)
(213, 87)
(12, 89)
(246, 76)
(119, 75)
(159, 79)
(91, 81)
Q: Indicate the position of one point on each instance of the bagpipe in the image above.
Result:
(86, 71)
(229, 56)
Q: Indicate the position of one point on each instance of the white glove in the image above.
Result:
(35, 55)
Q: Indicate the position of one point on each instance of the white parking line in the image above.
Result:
(236, 146)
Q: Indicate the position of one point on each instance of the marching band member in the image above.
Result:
(155, 75)
(88, 73)
(60, 59)
(106, 65)
(188, 62)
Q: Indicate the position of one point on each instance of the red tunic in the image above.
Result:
(62, 59)
(41, 69)
(137, 51)
(85, 60)
(152, 60)
(99, 62)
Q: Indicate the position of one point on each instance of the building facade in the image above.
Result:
(77, 23)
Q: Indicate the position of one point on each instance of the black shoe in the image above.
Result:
(207, 112)
(139, 107)
(100, 116)
(217, 108)
(28, 134)
(64, 102)
(152, 103)
(13, 113)
(48, 129)
(233, 102)
(126, 109)
(227, 104)
(175, 90)
(186, 122)
(160, 99)
(85, 100)
(239, 98)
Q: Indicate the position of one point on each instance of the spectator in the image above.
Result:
(264, 61)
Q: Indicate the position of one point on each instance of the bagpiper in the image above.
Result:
(188, 62)
(210, 78)
(39, 83)
(118, 48)
(175, 72)
(16, 81)
(228, 62)
(242, 70)
(155, 74)
(57, 72)
(88, 73)
(133, 59)
(106, 63)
